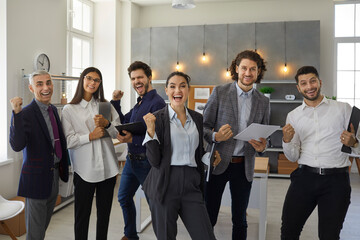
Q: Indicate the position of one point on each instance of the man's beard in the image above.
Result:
(313, 98)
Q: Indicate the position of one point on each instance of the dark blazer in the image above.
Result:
(28, 132)
(222, 108)
(159, 155)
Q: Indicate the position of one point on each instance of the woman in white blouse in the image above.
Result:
(174, 147)
(91, 152)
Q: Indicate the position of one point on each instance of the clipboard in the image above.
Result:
(354, 119)
(105, 110)
(136, 128)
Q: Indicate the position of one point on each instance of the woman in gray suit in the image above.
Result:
(174, 147)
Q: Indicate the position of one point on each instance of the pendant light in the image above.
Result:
(203, 56)
(227, 51)
(255, 43)
(285, 69)
(177, 50)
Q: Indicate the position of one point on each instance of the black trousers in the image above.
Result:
(330, 193)
(84, 194)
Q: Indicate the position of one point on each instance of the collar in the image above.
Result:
(240, 91)
(173, 115)
(85, 103)
(41, 105)
(149, 95)
(323, 101)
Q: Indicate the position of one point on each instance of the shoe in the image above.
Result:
(124, 238)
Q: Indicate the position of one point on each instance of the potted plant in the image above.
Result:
(266, 91)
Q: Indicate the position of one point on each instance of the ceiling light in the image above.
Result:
(183, 4)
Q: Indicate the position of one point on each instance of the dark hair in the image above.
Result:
(252, 55)
(306, 70)
(140, 65)
(181, 74)
(79, 94)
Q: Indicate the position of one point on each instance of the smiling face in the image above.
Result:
(140, 82)
(247, 73)
(42, 87)
(91, 84)
(309, 86)
(177, 91)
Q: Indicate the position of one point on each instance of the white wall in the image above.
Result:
(32, 27)
(255, 11)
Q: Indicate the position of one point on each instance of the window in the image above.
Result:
(347, 45)
(80, 40)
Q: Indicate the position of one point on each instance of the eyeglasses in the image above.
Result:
(96, 80)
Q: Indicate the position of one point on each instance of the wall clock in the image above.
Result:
(42, 62)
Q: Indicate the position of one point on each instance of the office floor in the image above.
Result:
(61, 226)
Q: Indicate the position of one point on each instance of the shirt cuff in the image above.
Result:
(213, 137)
(148, 138)
(84, 139)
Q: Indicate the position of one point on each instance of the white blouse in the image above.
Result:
(95, 160)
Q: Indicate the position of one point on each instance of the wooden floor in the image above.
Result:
(61, 226)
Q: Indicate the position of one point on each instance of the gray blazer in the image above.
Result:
(222, 108)
(159, 155)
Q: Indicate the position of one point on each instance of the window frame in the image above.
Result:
(339, 40)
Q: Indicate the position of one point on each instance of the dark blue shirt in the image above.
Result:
(150, 102)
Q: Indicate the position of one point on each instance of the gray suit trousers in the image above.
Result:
(38, 212)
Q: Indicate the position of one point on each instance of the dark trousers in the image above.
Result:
(240, 192)
(331, 193)
(183, 198)
(84, 194)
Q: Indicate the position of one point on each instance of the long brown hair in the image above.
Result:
(79, 94)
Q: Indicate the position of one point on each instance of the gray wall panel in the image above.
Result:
(303, 45)
(270, 38)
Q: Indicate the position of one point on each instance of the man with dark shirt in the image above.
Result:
(137, 166)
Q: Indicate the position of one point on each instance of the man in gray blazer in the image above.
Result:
(230, 109)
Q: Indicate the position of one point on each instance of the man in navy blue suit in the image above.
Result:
(36, 129)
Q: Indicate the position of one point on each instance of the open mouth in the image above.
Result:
(45, 94)
(177, 98)
(139, 88)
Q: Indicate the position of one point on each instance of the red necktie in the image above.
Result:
(54, 125)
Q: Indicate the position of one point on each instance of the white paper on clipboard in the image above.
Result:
(256, 131)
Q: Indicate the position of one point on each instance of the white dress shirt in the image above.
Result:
(316, 142)
(95, 160)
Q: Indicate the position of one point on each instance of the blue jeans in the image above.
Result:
(134, 174)
(240, 192)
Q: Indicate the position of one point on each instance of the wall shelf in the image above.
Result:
(278, 82)
(297, 101)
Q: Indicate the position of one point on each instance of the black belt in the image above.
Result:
(324, 171)
(139, 156)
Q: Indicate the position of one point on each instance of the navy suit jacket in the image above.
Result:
(29, 132)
